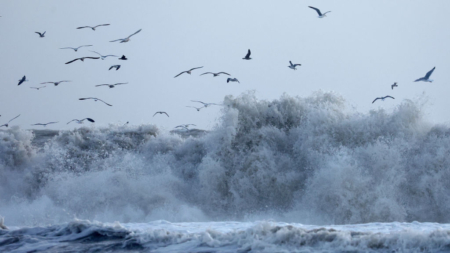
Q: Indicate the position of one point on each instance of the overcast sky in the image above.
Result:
(358, 51)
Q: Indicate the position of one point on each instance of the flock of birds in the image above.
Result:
(293, 66)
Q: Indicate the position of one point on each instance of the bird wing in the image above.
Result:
(118, 67)
(389, 97)
(224, 73)
(89, 57)
(291, 63)
(206, 73)
(101, 85)
(155, 114)
(420, 79)
(85, 46)
(72, 61)
(115, 40)
(96, 52)
(67, 48)
(14, 118)
(101, 25)
(22, 80)
(111, 67)
(198, 101)
(295, 65)
(111, 55)
(326, 12)
(375, 100)
(248, 54)
(429, 73)
(166, 114)
(81, 27)
(134, 33)
(89, 119)
(40, 34)
(71, 121)
(196, 68)
(180, 74)
(318, 11)
(47, 82)
(120, 83)
(104, 102)
(228, 80)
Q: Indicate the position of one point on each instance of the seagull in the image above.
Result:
(115, 66)
(82, 59)
(44, 124)
(394, 85)
(95, 99)
(232, 80)
(215, 74)
(42, 35)
(197, 108)
(247, 57)
(127, 38)
(104, 56)
(185, 126)
(56, 83)
(110, 85)
(188, 71)
(92, 27)
(76, 48)
(320, 13)
(80, 121)
(123, 58)
(382, 98)
(161, 113)
(426, 77)
(293, 66)
(7, 124)
(205, 104)
(37, 88)
(24, 79)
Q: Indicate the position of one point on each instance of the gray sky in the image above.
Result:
(358, 51)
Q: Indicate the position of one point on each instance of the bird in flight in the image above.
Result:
(196, 108)
(247, 57)
(123, 58)
(320, 13)
(44, 124)
(37, 88)
(92, 27)
(205, 104)
(56, 83)
(23, 79)
(188, 71)
(80, 121)
(394, 85)
(127, 38)
(426, 78)
(117, 67)
(293, 66)
(232, 80)
(215, 74)
(185, 126)
(161, 113)
(76, 48)
(95, 99)
(382, 98)
(104, 56)
(110, 85)
(82, 59)
(41, 35)
(7, 124)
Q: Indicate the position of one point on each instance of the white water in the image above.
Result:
(307, 160)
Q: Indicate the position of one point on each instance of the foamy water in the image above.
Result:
(303, 160)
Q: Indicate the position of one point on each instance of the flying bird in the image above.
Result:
(293, 66)
(110, 85)
(7, 124)
(44, 124)
(104, 56)
(41, 35)
(80, 121)
(127, 38)
(320, 13)
(23, 79)
(76, 48)
(117, 67)
(247, 57)
(95, 99)
(123, 58)
(188, 71)
(185, 126)
(92, 27)
(426, 78)
(382, 98)
(205, 104)
(394, 85)
(56, 83)
(82, 59)
(37, 88)
(232, 80)
(196, 108)
(215, 74)
(161, 113)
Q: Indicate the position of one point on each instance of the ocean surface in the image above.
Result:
(297, 174)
